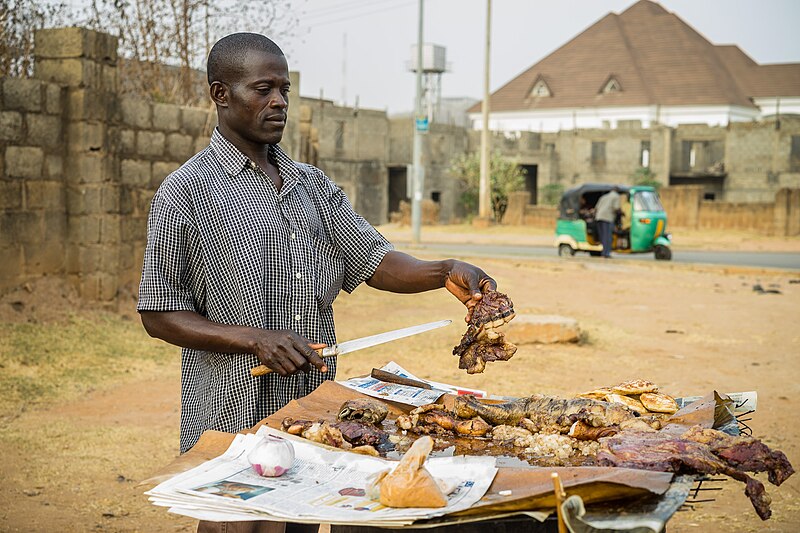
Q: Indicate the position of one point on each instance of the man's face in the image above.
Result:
(259, 99)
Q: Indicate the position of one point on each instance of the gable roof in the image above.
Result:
(657, 59)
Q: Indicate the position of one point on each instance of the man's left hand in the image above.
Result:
(468, 283)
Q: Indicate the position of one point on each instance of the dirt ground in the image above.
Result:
(73, 463)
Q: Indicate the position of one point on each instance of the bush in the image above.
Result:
(505, 176)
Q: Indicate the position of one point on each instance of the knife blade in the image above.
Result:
(365, 342)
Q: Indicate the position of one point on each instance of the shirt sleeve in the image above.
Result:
(361, 245)
(164, 285)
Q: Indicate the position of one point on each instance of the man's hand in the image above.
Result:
(286, 352)
(468, 283)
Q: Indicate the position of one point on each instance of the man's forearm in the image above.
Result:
(191, 330)
(402, 273)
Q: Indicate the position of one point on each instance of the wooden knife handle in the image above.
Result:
(262, 370)
(400, 380)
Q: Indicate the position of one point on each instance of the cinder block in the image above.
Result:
(84, 229)
(135, 172)
(166, 117)
(126, 142)
(305, 113)
(25, 226)
(194, 120)
(86, 136)
(24, 162)
(10, 195)
(142, 200)
(54, 99)
(74, 42)
(10, 126)
(23, 94)
(201, 143)
(47, 258)
(133, 229)
(71, 72)
(86, 103)
(12, 266)
(545, 329)
(55, 225)
(150, 143)
(91, 167)
(44, 130)
(162, 169)
(44, 195)
(135, 112)
(53, 167)
(180, 146)
(110, 234)
(85, 200)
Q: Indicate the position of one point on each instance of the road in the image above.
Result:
(780, 260)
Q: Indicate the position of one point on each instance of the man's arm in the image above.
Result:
(283, 351)
(402, 273)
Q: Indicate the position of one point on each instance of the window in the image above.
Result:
(611, 86)
(794, 157)
(646, 201)
(598, 154)
(540, 88)
(340, 136)
(436, 196)
(644, 155)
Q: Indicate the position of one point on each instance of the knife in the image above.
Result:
(364, 342)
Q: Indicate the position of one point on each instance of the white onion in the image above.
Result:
(271, 457)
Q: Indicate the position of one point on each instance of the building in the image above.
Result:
(643, 66)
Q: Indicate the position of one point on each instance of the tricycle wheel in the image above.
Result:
(663, 253)
(565, 250)
(595, 254)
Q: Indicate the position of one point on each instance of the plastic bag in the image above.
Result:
(410, 484)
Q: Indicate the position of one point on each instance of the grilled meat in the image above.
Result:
(544, 412)
(482, 343)
(435, 419)
(345, 435)
(363, 409)
(700, 451)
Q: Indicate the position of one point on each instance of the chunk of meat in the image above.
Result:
(700, 451)
(364, 409)
(482, 343)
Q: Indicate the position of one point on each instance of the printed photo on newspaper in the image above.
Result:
(322, 486)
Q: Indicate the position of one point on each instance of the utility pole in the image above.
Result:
(484, 200)
(419, 171)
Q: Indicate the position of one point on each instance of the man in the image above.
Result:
(247, 250)
(605, 214)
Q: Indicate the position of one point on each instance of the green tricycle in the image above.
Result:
(640, 228)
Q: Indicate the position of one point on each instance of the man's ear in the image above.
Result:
(219, 93)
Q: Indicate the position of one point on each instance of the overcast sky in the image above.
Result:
(379, 33)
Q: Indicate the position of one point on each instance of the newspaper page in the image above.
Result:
(323, 486)
(405, 394)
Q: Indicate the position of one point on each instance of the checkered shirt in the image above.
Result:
(223, 242)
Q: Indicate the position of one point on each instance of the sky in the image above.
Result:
(348, 49)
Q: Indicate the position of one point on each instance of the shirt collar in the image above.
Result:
(234, 161)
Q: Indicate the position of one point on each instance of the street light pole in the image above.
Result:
(484, 200)
(419, 171)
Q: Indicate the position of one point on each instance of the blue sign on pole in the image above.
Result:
(422, 125)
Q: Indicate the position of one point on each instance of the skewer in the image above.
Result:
(558, 488)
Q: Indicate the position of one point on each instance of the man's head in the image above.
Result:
(249, 82)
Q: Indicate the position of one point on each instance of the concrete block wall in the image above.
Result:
(33, 214)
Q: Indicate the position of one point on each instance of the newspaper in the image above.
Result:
(743, 402)
(323, 486)
(405, 394)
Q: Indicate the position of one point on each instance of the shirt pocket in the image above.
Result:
(329, 265)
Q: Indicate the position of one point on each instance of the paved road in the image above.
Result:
(788, 261)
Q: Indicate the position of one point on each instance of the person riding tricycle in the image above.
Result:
(639, 227)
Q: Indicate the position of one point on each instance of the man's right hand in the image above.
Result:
(283, 351)
(286, 352)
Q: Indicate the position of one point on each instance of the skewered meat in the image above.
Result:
(482, 343)
(700, 451)
(544, 412)
(363, 409)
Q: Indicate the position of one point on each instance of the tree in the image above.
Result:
(164, 43)
(505, 176)
(18, 20)
(645, 176)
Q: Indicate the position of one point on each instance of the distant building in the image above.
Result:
(641, 67)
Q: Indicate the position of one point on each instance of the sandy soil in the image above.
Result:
(75, 466)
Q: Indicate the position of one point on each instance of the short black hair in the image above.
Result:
(227, 55)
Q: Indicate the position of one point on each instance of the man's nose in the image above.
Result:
(279, 100)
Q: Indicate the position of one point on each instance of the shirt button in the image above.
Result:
(298, 275)
(293, 236)
(297, 317)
